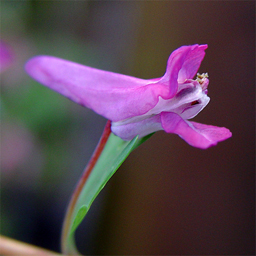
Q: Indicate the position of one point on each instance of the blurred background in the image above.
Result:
(168, 197)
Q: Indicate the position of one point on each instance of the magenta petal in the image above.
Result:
(192, 62)
(195, 134)
(174, 65)
(183, 64)
(111, 95)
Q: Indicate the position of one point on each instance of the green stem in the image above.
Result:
(86, 173)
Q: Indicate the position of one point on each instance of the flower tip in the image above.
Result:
(204, 46)
(201, 46)
(36, 68)
(30, 64)
(198, 46)
(226, 133)
(217, 135)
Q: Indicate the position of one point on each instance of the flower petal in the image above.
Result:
(192, 62)
(183, 64)
(142, 128)
(195, 134)
(109, 94)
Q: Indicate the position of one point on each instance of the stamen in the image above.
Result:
(200, 78)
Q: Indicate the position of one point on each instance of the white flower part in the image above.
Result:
(142, 128)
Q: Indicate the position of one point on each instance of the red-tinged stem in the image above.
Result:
(86, 173)
(13, 247)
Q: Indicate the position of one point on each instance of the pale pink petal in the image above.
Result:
(195, 134)
(109, 94)
(141, 128)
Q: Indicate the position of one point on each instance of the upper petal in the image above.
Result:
(111, 95)
(192, 62)
(183, 64)
(195, 134)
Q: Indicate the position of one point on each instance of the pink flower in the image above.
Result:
(138, 106)
(6, 56)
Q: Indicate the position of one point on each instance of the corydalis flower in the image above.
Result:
(138, 106)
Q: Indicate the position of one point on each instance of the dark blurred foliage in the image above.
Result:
(167, 198)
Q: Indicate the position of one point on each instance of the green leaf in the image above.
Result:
(113, 155)
(79, 217)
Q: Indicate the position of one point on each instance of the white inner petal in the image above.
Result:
(188, 102)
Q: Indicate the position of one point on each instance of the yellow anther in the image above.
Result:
(200, 78)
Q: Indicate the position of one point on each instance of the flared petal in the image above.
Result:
(109, 94)
(195, 134)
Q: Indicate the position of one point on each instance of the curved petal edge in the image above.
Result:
(196, 134)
